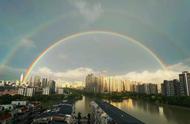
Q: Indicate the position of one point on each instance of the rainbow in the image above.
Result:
(130, 39)
(43, 26)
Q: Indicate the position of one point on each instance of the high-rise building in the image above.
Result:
(26, 91)
(178, 88)
(51, 85)
(37, 82)
(50, 89)
(30, 92)
(126, 85)
(168, 88)
(21, 91)
(44, 82)
(147, 88)
(21, 77)
(31, 83)
(184, 79)
(46, 91)
(60, 91)
(172, 88)
(132, 87)
(91, 83)
(102, 84)
(153, 88)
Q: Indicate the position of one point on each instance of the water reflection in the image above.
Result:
(153, 109)
(151, 113)
(179, 115)
(83, 106)
(127, 104)
(144, 111)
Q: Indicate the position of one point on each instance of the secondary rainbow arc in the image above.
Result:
(128, 38)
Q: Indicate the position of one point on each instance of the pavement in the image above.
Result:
(119, 116)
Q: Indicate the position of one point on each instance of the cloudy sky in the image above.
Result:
(29, 27)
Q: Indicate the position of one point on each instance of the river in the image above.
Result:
(144, 111)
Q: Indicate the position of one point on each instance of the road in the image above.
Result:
(117, 115)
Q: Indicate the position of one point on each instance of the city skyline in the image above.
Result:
(28, 30)
(94, 61)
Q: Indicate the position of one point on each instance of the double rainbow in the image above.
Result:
(128, 38)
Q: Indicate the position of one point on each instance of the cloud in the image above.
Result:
(76, 74)
(157, 76)
(149, 77)
(91, 12)
(28, 43)
(79, 74)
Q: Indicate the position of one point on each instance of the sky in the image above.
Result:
(29, 27)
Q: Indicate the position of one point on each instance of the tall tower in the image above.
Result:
(21, 77)
(185, 80)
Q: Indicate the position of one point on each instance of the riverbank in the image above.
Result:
(182, 101)
(148, 112)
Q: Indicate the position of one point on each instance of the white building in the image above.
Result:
(60, 91)
(19, 103)
(26, 91)
(30, 91)
(46, 91)
(21, 91)
(2, 83)
(9, 107)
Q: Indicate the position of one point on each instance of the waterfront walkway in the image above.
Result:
(117, 115)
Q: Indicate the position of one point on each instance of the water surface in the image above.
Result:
(144, 111)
